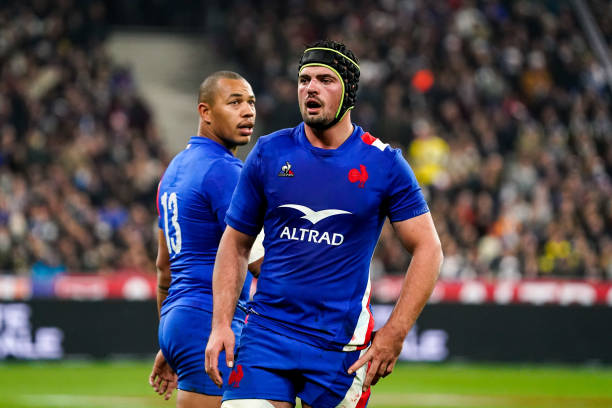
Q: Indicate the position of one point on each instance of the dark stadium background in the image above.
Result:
(501, 107)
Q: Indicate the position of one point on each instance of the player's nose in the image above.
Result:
(248, 111)
(312, 88)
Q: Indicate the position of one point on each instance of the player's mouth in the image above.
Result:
(246, 128)
(313, 106)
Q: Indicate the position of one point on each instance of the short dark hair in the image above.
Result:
(208, 87)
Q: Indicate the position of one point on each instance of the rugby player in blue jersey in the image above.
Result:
(193, 197)
(321, 191)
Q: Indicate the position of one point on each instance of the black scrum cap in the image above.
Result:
(343, 63)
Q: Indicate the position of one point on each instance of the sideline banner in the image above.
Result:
(134, 285)
(53, 329)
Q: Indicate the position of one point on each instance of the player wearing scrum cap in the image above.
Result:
(321, 191)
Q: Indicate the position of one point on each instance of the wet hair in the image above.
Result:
(208, 87)
(342, 61)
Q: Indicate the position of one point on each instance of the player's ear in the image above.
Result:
(205, 113)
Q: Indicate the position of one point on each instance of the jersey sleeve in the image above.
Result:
(404, 199)
(246, 211)
(160, 221)
(218, 186)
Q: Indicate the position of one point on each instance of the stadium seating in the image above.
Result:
(501, 107)
(79, 158)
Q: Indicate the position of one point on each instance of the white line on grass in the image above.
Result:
(92, 401)
(486, 401)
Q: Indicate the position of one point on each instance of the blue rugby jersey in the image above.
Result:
(322, 211)
(193, 197)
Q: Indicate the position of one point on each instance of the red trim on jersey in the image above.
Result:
(368, 138)
(157, 198)
(363, 401)
(370, 323)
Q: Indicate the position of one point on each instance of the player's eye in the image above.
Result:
(303, 80)
(234, 102)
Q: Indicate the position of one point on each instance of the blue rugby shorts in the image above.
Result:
(183, 334)
(272, 366)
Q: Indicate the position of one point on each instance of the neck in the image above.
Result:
(205, 131)
(331, 138)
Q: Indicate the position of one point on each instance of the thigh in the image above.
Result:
(183, 334)
(264, 371)
(186, 399)
(327, 383)
(255, 403)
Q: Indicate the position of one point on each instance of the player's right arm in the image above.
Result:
(162, 378)
(244, 220)
(163, 269)
(228, 278)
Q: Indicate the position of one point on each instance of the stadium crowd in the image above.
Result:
(501, 108)
(79, 157)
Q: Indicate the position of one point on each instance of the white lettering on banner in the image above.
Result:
(314, 236)
(426, 345)
(473, 292)
(430, 345)
(16, 335)
(537, 293)
(581, 293)
(504, 291)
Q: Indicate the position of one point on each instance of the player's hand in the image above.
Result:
(381, 356)
(163, 379)
(220, 339)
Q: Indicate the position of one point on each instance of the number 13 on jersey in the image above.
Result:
(173, 238)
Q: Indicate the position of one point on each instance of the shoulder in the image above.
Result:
(277, 139)
(223, 167)
(378, 149)
(173, 167)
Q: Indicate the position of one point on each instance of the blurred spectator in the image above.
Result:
(515, 155)
(500, 106)
(79, 157)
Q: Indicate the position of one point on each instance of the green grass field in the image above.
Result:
(124, 384)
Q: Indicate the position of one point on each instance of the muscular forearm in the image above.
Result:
(228, 276)
(417, 287)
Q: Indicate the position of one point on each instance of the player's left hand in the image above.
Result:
(381, 356)
(163, 379)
